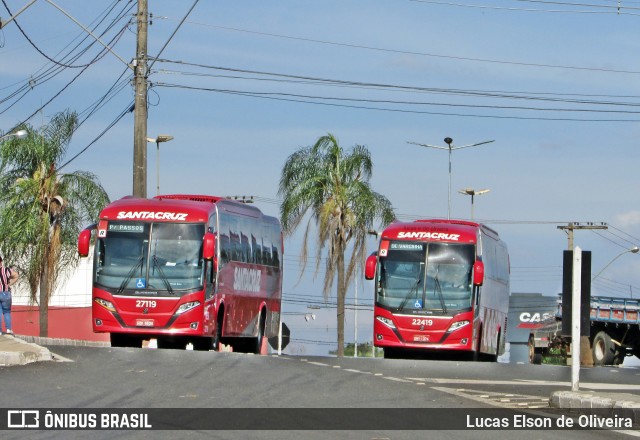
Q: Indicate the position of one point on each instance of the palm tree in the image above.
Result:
(334, 186)
(42, 209)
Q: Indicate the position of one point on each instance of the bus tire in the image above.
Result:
(203, 343)
(124, 340)
(256, 343)
(603, 349)
(476, 355)
(390, 353)
(171, 343)
(494, 357)
(217, 333)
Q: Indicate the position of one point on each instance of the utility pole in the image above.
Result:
(140, 109)
(573, 226)
(580, 352)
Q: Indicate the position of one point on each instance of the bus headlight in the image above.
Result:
(457, 325)
(186, 307)
(106, 304)
(386, 321)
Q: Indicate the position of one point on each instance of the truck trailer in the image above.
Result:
(614, 332)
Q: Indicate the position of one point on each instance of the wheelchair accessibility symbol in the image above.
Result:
(141, 283)
(418, 304)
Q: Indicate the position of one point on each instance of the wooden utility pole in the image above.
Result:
(573, 226)
(140, 110)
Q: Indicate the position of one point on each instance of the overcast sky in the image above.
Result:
(243, 84)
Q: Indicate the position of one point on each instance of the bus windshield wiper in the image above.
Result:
(438, 289)
(411, 292)
(164, 279)
(124, 283)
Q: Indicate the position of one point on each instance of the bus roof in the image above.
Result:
(173, 207)
(460, 231)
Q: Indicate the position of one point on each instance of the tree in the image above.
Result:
(334, 187)
(42, 209)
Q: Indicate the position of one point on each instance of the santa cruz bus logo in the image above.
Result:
(151, 215)
(429, 236)
(247, 280)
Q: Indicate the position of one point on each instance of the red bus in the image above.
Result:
(186, 269)
(440, 285)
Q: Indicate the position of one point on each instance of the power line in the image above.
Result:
(280, 97)
(416, 53)
(503, 8)
(541, 96)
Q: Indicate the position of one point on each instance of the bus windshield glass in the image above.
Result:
(150, 258)
(429, 278)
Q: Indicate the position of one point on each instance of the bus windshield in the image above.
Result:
(150, 258)
(430, 278)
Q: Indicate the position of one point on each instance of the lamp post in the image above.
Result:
(3, 23)
(472, 192)
(20, 134)
(158, 140)
(450, 147)
(633, 250)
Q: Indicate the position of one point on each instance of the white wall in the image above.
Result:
(74, 290)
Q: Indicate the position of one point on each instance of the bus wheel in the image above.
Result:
(124, 340)
(391, 353)
(171, 343)
(217, 333)
(202, 344)
(494, 357)
(535, 355)
(257, 348)
(476, 355)
(603, 349)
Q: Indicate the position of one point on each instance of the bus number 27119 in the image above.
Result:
(146, 303)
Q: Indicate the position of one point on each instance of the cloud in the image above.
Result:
(631, 218)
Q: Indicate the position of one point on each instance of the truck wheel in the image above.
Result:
(535, 355)
(603, 349)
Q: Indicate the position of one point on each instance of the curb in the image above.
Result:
(603, 403)
(64, 341)
(24, 353)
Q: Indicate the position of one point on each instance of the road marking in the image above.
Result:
(502, 400)
(588, 385)
(318, 363)
(397, 379)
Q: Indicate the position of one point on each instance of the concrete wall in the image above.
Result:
(74, 289)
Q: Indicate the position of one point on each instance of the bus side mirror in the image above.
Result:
(478, 273)
(209, 246)
(84, 240)
(370, 266)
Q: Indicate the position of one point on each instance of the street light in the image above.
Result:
(20, 134)
(158, 140)
(472, 192)
(633, 250)
(450, 147)
(3, 23)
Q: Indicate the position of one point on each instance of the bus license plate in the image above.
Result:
(144, 322)
(420, 338)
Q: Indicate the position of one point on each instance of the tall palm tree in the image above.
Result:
(334, 187)
(43, 209)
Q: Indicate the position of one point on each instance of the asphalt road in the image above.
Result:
(208, 382)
